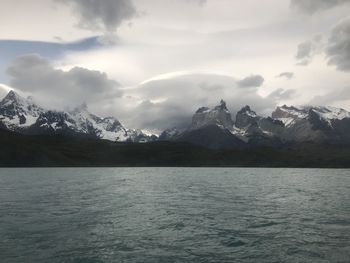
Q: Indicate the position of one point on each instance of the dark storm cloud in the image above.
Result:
(35, 75)
(106, 15)
(312, 6)
(287, 75)
(251, 81)
(338, 48)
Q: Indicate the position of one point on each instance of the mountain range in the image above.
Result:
(23, 115)
(213, 128)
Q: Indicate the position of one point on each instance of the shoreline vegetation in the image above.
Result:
(61, 151)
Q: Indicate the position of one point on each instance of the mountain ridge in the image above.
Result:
(213, 127)
(287, 124)
(23, 115)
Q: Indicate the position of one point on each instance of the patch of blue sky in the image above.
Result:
(10, 49)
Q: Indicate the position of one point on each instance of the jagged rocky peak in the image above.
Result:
(222, 106)
(247, 110)
(202, 110)
(17, 112)
(12, 95)
(246, 117)
(330, 113)
(23, 115)
(219, 115)
(289, 112)
(13, 98)
(290, 115)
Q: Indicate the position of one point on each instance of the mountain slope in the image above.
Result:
(219, 116)
(314, 123)
(23, 115)
(210, 127)
(17, 113)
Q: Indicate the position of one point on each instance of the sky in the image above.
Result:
(152, 63)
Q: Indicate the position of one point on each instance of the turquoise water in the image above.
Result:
(174, 215)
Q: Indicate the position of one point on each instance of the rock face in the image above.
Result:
(211, 128)
(169, 134)
(219, 116)
(211, 136)
(23, 115)
(287, 125)
(107, 128)
(246, 117)
(257, 130)
(17, 113)
(316, 124)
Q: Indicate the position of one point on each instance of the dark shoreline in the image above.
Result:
(60, 151)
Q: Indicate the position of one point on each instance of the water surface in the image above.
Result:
(174, 215)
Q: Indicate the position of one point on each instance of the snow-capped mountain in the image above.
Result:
(219, 116)
(286, 125)
(23, 115)
(210, 127)
(252, 128)
(17, 113)
(314, 123)
(169, 134)
(107, 128)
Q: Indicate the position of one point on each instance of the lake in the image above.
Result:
(174, 215)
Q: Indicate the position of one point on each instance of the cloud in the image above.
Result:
(34, 75)
(251, 81)
(282, 94)
(313, 6)
(3, 90)
(308, 49)
(287, 75)
(171, 102)
(102, 15)
(338, 48)
(336, 95)
(304, 50)
(200, 2)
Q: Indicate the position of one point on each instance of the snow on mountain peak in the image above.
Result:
(13, 97)
(248, 111)
(290, 115)
(331, 113)
(246, 117)
(23, 115)
(221, 106)
(17, 112)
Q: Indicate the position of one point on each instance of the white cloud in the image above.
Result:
(34, 75)
(172, 38)
(167, 102)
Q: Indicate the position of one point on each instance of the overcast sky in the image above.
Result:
(152, 63)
